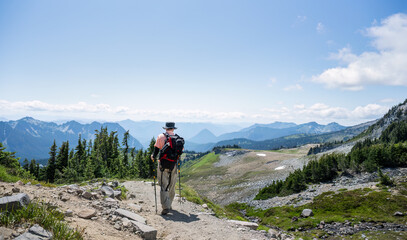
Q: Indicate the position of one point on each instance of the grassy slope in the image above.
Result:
(361, 205)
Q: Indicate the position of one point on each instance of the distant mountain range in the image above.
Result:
(31, 138)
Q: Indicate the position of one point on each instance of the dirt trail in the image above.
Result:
(186, 221)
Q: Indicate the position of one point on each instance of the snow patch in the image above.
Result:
(261, 154)
(279, 168)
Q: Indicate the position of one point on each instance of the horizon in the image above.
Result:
(222, 62)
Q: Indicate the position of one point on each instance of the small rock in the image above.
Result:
(115, 184)
(250, 225)
(19, 182)
(132, 196)
(294, 219)
(126, 223)
(147, 232)
(273, 233)
(205, 206)
(398, 214)
(38, 185)
(135, 207)
(117, 226)
(94, 218)
(87, 213)
(69, 213)
(29, 183)
(39, 231)
(15, 190)
(107, 191)
(64, 198)
(307, 213)
(87, 195)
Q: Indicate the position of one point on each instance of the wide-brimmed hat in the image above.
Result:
(169, 125)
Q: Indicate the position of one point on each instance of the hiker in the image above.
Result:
(169, 147)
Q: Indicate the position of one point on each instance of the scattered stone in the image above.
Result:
(36, 232)
(140, 201)
(64, 198)
(29, 183)
(117, 226)
(117, 194)
(15, 190)
(250, 225)
(130, 215)
(132, 196)
(273, 233)
(135, 207)
(14, 201)
(87, 213)
(94, 195)
(38, 185)
(87, 195)
(69, 213)
(307, 213)
(205, 206)
(94, 218)
(147, 232)
(110, 200)
(115, 184)
(107, 191)
(126, 222)
(294, 219)
(20, 183)
(398, 214)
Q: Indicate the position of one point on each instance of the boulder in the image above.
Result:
(87, 213)
(130, 215)
(146, 232)
(14, 201)
(307, 213)
(107, 191)
(250, 225)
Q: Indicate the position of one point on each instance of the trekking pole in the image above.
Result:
(155, 189)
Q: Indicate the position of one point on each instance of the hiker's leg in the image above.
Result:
(171, 189)
(164, 193)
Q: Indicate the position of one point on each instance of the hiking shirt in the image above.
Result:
(161, 139)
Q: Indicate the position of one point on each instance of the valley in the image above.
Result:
(237, 175)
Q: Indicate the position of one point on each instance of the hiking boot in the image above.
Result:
(165, 211)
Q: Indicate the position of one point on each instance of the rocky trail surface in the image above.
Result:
(93, 209)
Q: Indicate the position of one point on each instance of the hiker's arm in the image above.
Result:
(154, 155)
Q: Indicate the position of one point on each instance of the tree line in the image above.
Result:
(104, 157)
(390, 150)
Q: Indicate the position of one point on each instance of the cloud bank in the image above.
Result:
(385, 66)
(319, 112)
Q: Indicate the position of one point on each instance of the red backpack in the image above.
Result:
(171, 151)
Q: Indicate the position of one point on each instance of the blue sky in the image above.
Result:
(203, 61)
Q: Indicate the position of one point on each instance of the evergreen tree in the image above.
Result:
(63, 156)
(50, 172)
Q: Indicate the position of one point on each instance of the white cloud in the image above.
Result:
(320, 27)
(324, 113)
(106, 111)
(386, 66)
(295, 87)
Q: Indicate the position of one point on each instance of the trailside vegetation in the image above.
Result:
(104, 157)
(390, 150)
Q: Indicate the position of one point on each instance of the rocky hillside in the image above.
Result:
(93, 209)
(395, 114)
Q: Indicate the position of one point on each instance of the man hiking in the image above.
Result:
(169, 147)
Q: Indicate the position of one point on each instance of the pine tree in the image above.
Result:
(63, 156)
(50, 172)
